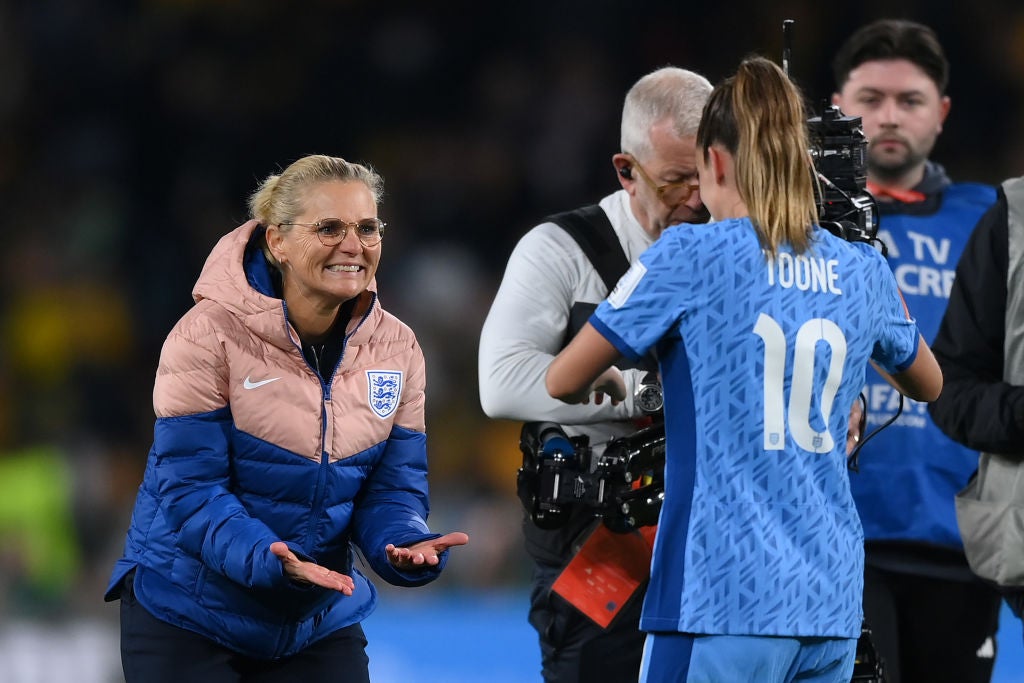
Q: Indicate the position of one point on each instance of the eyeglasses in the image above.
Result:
(671, 194)
(331, 231)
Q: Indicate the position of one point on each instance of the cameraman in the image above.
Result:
(932, 620)
(547, 277)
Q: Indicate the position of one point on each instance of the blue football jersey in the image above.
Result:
(761, 360)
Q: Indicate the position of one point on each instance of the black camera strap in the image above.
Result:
(592, 230)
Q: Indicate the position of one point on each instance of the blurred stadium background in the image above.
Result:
(132, 134)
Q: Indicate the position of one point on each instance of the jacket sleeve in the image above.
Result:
(526, 327)
(976, 407)
(393, 505)
(190, 464)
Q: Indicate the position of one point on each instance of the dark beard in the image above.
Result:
(892, 172)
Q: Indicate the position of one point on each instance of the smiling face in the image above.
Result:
(317, 278)
(902, 112)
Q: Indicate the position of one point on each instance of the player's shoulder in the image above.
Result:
(732, 240)
(728, 230)
(829, 245)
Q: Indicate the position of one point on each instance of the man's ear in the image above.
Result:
(944, 104)
(624, 171)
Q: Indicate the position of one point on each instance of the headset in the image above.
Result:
(626, 172)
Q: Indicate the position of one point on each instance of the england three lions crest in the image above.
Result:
(384, 388)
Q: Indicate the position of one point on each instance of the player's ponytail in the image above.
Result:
(758, 116)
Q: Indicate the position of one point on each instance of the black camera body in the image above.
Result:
(624, 484)
(839, 152)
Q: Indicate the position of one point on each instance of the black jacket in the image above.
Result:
(976, 407)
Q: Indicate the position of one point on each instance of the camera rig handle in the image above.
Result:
(624, 484)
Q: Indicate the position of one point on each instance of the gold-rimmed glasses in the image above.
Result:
(671, 194)
(331, 231)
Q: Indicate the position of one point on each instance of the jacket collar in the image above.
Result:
(238, 277)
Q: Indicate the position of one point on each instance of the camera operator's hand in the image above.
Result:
(425, 553)
(609, 382)
(584, 367)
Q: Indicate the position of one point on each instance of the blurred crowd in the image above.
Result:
(134, 131)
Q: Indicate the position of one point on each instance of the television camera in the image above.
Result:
(623, 483)
(839, 151)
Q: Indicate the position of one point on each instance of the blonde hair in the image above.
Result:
(280, 197)
(758, 116)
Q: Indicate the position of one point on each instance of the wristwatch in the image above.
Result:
(648, 395)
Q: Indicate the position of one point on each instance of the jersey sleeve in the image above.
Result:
(649, 299)
(896, 347)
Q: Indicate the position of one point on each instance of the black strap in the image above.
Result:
(592, 230)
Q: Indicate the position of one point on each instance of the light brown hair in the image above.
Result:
(758, 116)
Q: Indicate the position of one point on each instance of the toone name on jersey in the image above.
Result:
(806, 273)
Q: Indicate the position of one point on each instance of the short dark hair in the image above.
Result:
(893, 39)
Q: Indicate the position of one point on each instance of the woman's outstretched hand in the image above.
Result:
(425, 553)
(310, 572)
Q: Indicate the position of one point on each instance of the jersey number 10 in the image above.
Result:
(810, 334)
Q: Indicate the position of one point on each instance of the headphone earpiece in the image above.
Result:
(626, 172)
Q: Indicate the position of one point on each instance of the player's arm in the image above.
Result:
(922, 381)
(583, 367)
(901, 355)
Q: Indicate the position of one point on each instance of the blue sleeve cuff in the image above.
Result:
(408, 578)
(909, 361)
(614, 339)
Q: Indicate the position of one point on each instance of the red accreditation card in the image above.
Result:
(607, 570)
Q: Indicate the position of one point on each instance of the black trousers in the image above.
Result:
(153, 651)
(576, 650)
(931, 630)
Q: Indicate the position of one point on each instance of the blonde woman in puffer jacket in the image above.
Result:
(289, 429)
